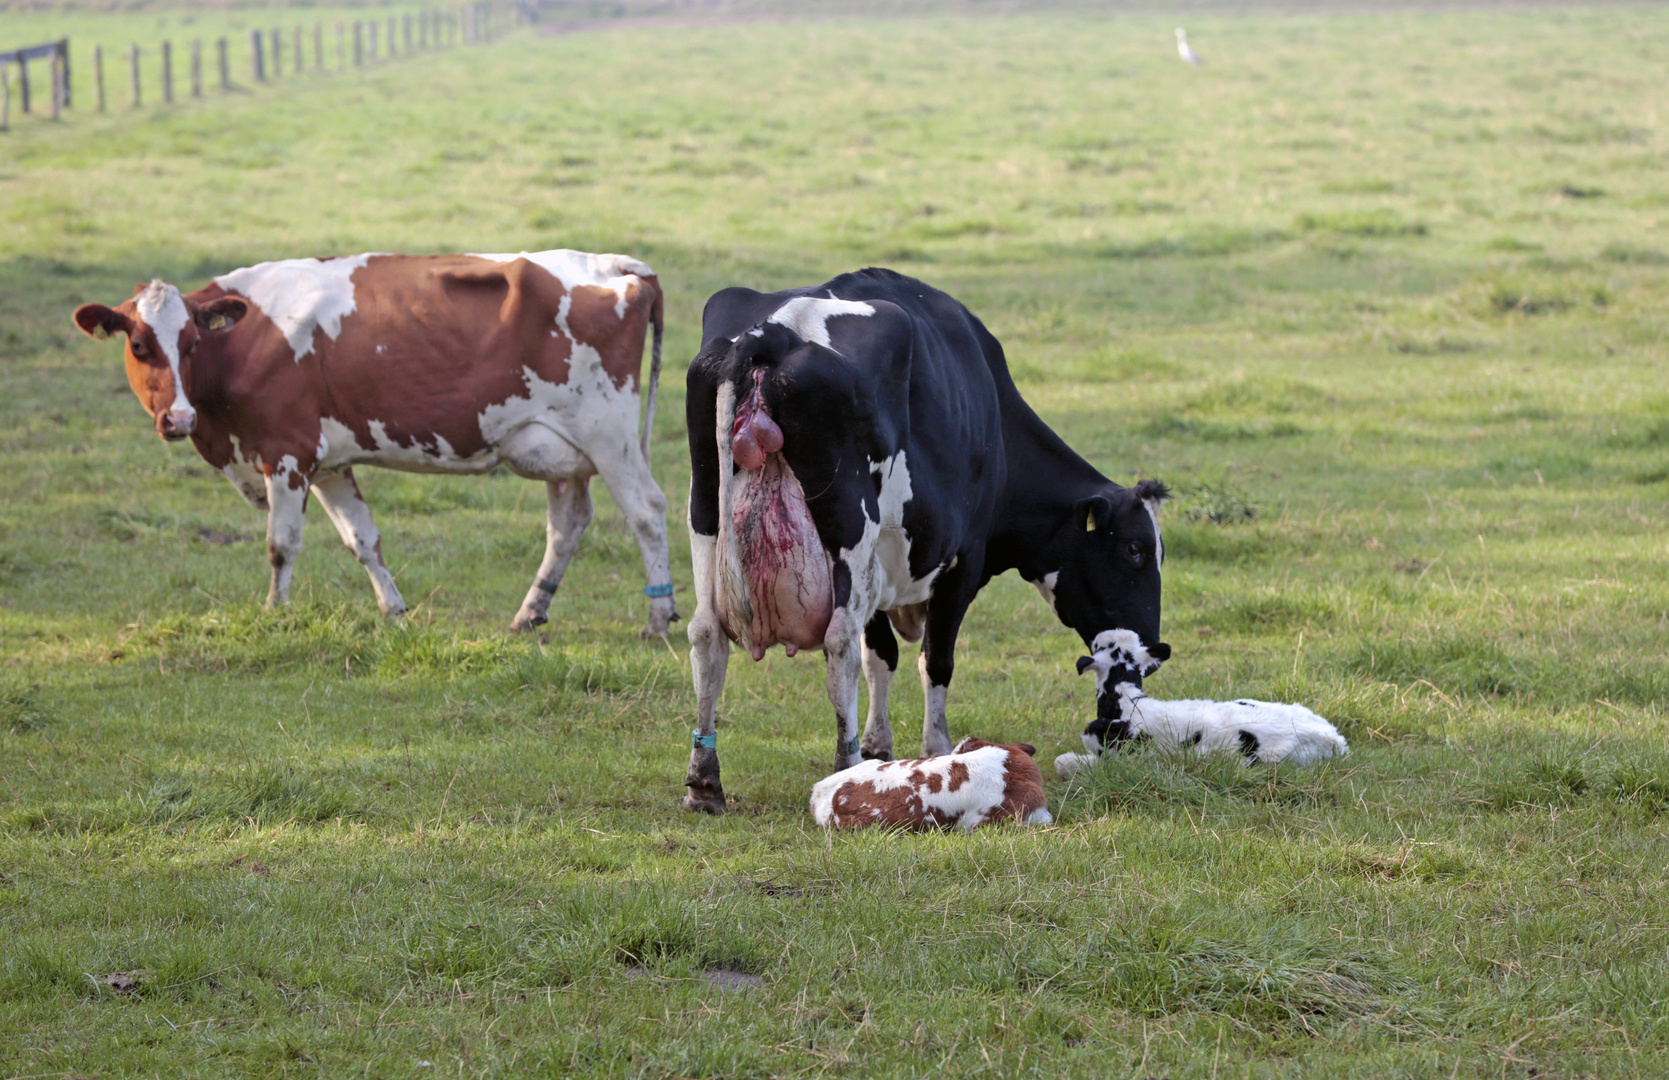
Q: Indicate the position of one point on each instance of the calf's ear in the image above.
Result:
(1085, 663)
(219, 314)
(1028, 748)
(1160, 652)
(98, 321)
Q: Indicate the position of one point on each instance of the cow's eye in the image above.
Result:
(139, 350)
(1136, 555)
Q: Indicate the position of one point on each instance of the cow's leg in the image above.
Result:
(843, 655)
(709, 657)
(567, 513)
(339, 494)
(286, 514)
(938, 663)
(880, 661)
(641, 501)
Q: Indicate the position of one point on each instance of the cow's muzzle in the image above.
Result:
(176, 425)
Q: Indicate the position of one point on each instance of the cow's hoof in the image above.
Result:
(704, 801)
(396, 615)
(876, 755)
(650, 632)
(520, 623)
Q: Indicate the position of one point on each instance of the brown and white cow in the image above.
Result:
(976, 783)
(286, 375)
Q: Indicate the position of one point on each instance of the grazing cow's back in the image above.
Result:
(287, 374)
(976, 783)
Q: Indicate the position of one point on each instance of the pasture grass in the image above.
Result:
(1390, 319)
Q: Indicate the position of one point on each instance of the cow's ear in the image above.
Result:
(220, 314)
(1027, 748)
(98, 321)
(1154, 494)
(1085, 663)
(1095, 512)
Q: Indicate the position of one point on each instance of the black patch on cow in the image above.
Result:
(1249, 746)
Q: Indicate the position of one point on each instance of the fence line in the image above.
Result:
(400, 36)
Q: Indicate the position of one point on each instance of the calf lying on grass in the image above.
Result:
(977, 782)
(1259, 731)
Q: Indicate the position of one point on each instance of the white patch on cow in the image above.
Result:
(300, 295)
(1047, 587)
(1041, 816)
(808, 316)
(1158, 541)
(583, 268)
(163, 310)
(888, 544)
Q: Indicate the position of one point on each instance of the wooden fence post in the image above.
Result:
(359, 43)
(98, 73)
(391, 37)
(57, 69)
(258, 56)
(196, 67)
(23, 83)
(318, 46)
(168, 72)
(277, 53)
(300, 50)
(64, 59)
(341, 46)
(406, 23)
(133, 72)
(5, 96)
(225, 64)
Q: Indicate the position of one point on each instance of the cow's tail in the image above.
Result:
(658, 314)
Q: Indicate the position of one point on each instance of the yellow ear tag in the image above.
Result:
(100, 333)
(1089, 521)
(217, 322)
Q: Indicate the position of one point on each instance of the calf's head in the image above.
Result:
(1120, 662)
(163, 331)
(1109, 580)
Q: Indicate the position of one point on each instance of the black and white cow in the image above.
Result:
(862, 463)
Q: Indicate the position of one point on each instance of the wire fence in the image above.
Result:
(269, 56)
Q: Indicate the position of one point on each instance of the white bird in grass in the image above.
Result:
(1182, 49)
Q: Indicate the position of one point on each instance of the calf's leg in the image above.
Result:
(345, 506)
(709, 657)
(567, 513)
(880, 662)
(286, 515)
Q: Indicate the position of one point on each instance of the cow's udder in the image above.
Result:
(782, 559)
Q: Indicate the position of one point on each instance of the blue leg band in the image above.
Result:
(705, 742)
(847, 749)
(658, 590)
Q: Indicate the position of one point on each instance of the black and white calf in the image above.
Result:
(862, 464)
(1259, 731)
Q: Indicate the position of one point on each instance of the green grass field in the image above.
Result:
(1382, 294)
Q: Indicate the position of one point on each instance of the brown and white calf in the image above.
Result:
(976, 783)
(287, 374)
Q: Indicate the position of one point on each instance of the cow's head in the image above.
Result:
(1109, 579)
(163, 329)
